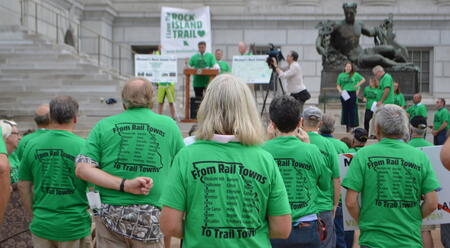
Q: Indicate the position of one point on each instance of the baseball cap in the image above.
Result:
(312, 113)
(419, 122)
(360, 134)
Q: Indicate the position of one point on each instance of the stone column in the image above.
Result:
(96, 30)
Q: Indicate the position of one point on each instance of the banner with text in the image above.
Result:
(251, 69)
(439, 216)
(156, 68)
(182, 29)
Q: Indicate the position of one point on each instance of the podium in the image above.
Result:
(188, 72)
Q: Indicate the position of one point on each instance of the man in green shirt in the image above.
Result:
(386, 85)
(5, 188)
(440, 123)
(224, 67)
(418, 109)
(391, 177)
(418, 130)
(242, 48)
(11, 137)
(202, 60)
(48, 185)
(125, 156)
(328, 200)
(303, 170)
(42, 120)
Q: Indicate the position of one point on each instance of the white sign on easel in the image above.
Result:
(251, 69)
(156, 68)
(439, 216)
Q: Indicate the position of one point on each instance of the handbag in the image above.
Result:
(302, 95)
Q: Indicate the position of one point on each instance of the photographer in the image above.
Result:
(294, 77)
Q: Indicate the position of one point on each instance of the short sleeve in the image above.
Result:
(174, 196)
(334, 160)
(322, 171)
(354, 179)
(213, 60)
(339, 80)
(192, 61)
(278, 200)
(430, 181)
(92, 146)
(358, 77)
(422, 111)
(25, 173)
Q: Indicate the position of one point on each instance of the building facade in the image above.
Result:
(112, 30)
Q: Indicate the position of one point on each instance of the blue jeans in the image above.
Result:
(304, 236)
(330, 241)
(440, 138)
(339, 227)
(445, 235)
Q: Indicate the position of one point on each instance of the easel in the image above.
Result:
(188, 72)
(274, 82)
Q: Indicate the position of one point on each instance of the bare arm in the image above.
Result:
(430, 203)
(5, 185)
(26, 195)
(351, 201)
(368, 32)
(172, 222)
(337, 191)
(138, 185)
(361, 82)
(442, 127)
(445, 154)
(280, 226)
(339, 88)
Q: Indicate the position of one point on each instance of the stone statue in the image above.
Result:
(338, 42)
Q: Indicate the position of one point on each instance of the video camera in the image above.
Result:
(274, 53)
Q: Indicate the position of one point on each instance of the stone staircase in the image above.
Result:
(33, 70)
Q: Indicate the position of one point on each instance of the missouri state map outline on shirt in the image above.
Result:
(138, 148)
(231, 204)
(396, 184)
(58, 171)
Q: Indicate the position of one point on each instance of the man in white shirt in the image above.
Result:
(294, 77)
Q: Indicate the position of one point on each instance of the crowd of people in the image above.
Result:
(238, 184)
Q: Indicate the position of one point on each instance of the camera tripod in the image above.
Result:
(274, 82)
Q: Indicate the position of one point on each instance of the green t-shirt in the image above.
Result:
(391, 177)
(2, 144)
(14, 164)
(224, 67)
(25, 139)
(339, 146)
(326, 197)
(198, 61)
(227, 191)
(59, 197)
(386, 81)
(349, 83)
(417, 110)
(419, 142)
(371, 95)
(134, 143)
(303, 170)
(440, 117)
(399, 99)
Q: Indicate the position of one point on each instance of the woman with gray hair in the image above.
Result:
(228, 188)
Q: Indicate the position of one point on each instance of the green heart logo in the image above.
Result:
(201, 33)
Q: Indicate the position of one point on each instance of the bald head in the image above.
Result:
(242, 47)
(137, 93)
(41, 116)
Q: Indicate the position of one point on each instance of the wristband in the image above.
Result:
(122, 185)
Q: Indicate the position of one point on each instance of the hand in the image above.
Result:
(302, 135)
(275, 64)
(138, 185)
(434, 132)
(379, 104)
(334, 211)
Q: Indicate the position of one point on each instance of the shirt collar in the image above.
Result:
(224, 138)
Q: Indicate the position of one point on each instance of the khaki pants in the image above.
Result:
(39, 242)
(106, 238)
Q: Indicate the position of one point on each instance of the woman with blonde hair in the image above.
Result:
(228, 188)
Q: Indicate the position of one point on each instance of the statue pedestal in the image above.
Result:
(408, 80)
